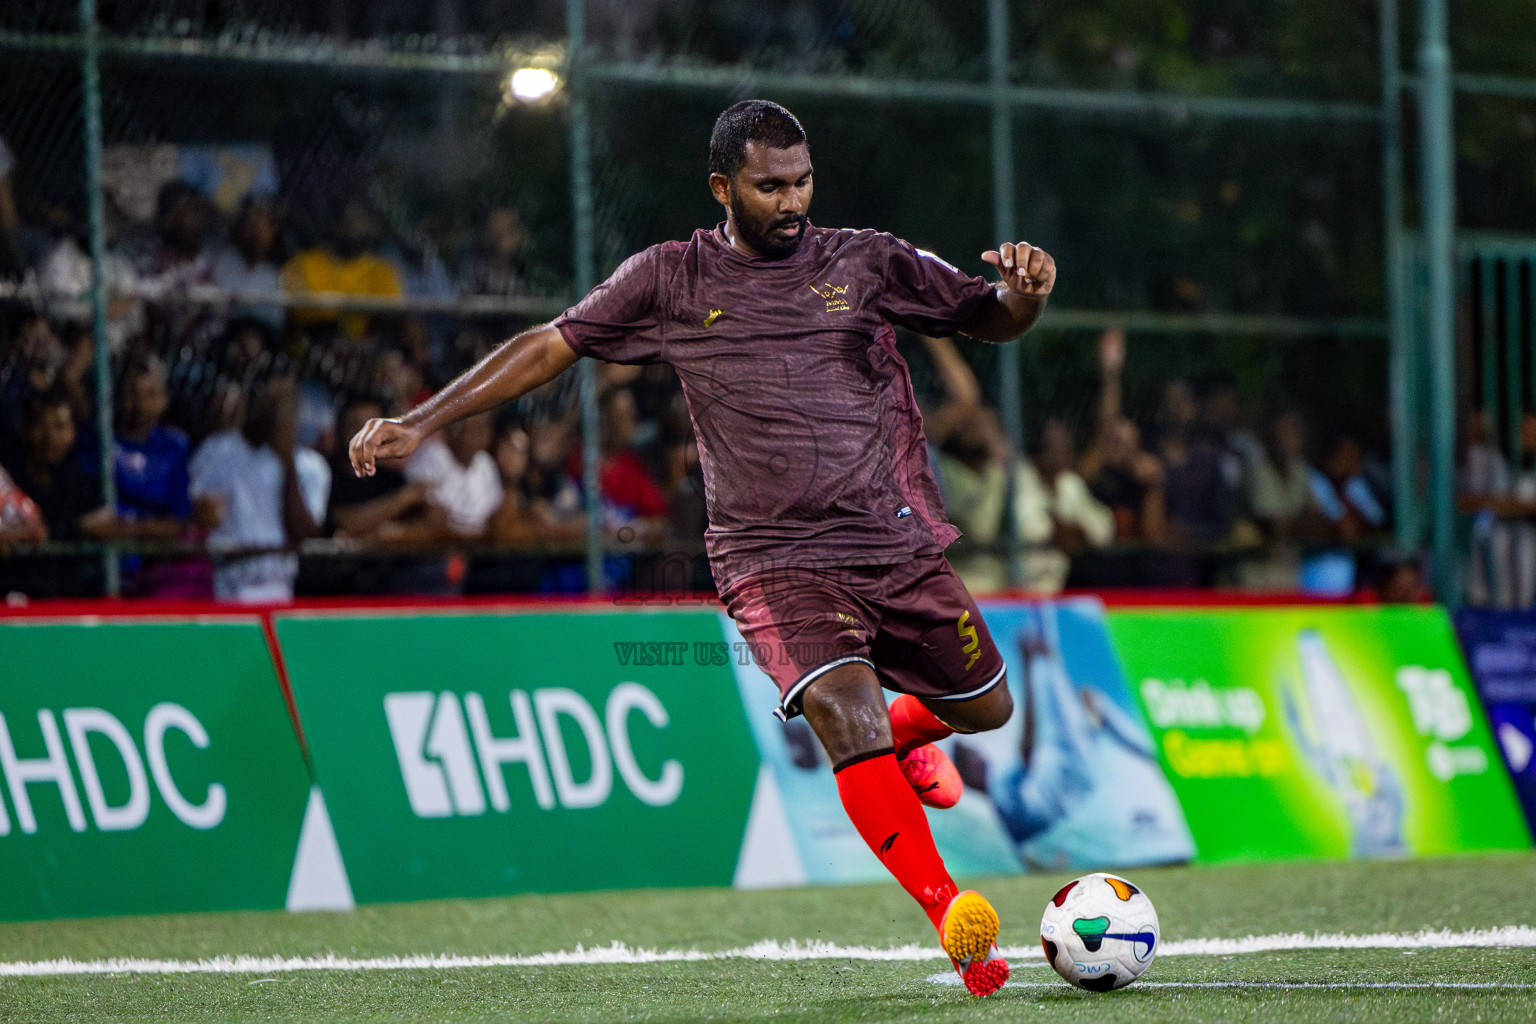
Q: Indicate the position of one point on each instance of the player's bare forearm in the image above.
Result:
(515, 367)
(1028, 275)
(1005, 316)
(532, 358)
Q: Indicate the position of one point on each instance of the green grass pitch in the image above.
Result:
(1303, 985)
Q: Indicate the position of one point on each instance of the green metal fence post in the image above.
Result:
(1004, 229)
(582, 250)
(1530, 312)
(1514, 404)
(1437, 183)
(90, 70)
(1400, 369)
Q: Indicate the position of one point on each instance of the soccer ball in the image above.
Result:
(1099, 932)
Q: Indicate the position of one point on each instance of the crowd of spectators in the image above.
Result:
(1190, 498)
(233, 398)
(1497, 494)
(230, 421)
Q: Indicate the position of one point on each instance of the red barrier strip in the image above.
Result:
(269, 630)
(153, 609)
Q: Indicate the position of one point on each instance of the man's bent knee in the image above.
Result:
(997, 713)
(847, 710)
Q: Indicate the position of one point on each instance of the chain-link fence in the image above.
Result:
(319, 211)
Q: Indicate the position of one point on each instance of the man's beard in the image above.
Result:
(771, 246)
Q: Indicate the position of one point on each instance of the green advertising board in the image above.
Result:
(151, 766)
(147, 767)
(483, 754)
(1319, 732)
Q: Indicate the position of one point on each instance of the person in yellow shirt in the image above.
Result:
(346, 264)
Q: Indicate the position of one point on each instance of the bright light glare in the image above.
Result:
(533, 84)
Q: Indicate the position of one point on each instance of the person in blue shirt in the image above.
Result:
(149, 459)
(1352, 513)
(149, 464)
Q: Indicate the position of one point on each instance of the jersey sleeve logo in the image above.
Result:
(832, 295)
(925, 254)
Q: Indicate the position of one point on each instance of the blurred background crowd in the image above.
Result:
(299, 242)
(231, 418)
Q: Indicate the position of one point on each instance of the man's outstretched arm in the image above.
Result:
(1028, 275)
(516, 367)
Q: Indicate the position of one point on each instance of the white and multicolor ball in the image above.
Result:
(1099, 932)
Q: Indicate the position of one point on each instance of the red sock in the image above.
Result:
(888, 815)
(912, 725)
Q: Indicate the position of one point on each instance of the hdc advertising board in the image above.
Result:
(147, 768)
(152, 766)
(1319, 732)
(485, 754)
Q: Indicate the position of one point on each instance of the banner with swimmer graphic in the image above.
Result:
(1071, 781)
(1319, 732)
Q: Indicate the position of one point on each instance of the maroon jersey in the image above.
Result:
(809, 436)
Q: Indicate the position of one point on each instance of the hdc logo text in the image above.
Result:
(446, 774)
(53, 769)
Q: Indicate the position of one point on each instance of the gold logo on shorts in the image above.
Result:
(850, 624)
(714, 314)
(967, 633)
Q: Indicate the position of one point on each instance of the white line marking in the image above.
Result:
(953, 979)
(1521, 936)
(1514, 935)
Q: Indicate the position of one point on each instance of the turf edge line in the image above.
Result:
(952, 979)
(770, 950)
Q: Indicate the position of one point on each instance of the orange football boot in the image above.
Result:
(932, 776)
(968, 934)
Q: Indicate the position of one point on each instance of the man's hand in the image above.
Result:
(208, 510)
(381, 439)
(1112, 351)
(105, 524)
(413, 496)
(1028, 275)
(1148, 470)
(1026, 270)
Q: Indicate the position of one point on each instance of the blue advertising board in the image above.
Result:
(1500, 647)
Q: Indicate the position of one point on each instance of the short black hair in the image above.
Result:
(144, 363)
(750, 121)
(173, 192)
(360, 398)
(40, 403)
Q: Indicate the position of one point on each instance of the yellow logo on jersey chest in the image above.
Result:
(832, 294)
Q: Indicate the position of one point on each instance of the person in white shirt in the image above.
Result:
(1279, 498)
(462, 474)
(273, 493)
(1054, 507)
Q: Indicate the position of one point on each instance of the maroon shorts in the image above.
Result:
(914, 623)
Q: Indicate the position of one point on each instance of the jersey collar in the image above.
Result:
(807, 243)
